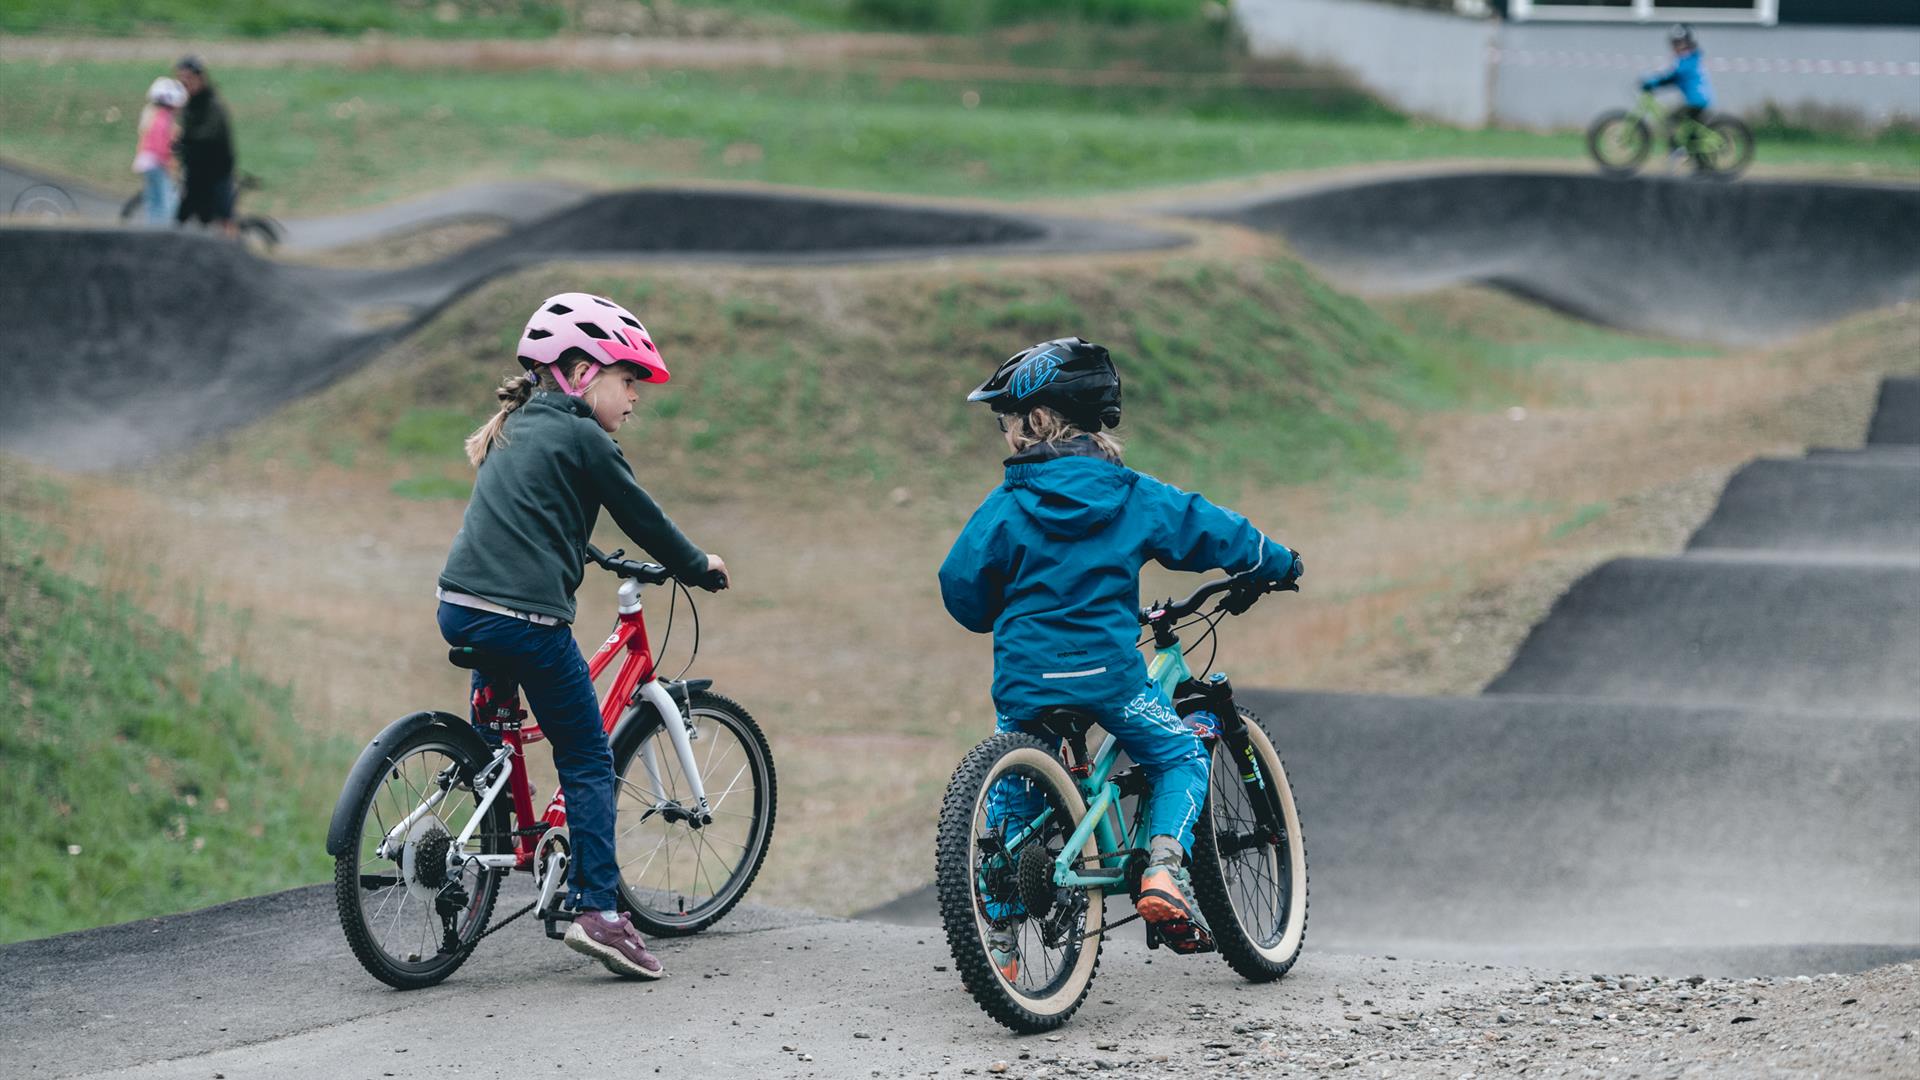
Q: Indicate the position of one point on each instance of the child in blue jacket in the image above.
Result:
(1687, 76)
(1050, 565)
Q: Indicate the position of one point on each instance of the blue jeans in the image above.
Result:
(157, 196)
(548, 667)
(1158, 740)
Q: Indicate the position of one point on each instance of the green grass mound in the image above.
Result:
(140, 782)
(829, 384)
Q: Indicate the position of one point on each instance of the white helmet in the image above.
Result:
(168, 92)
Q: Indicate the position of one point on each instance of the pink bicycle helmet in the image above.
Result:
(604, 331)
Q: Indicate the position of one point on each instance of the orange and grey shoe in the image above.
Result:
(1166, 902)
(1003, 948)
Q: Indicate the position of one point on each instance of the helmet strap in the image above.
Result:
(560, 378)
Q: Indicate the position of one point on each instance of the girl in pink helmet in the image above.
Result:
(153, 157)
(547, 463)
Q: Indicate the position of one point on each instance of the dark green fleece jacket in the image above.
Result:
(524, 539)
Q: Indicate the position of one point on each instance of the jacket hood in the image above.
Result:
(1067, 488)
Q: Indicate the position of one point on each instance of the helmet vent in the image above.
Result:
(592, 331)
(635, 323)
(536, 335)
(604, 302)
(559, 309)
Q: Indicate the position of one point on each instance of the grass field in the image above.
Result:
(326, 138)
(540, 18)
(142, 776)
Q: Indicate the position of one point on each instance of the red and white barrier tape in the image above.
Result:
(1561, 58)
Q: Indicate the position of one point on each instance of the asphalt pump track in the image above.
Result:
(1735, 263)
(196, 336)
(1704, 763)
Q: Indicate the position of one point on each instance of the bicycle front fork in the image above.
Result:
(1210, 708)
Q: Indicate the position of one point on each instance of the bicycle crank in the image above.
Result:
(550, 857)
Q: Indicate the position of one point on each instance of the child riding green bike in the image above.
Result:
(1050, 564)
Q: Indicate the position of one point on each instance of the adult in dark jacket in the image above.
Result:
(205, 150)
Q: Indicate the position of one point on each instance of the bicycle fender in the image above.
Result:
(341, 833)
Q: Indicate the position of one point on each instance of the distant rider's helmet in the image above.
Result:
(1680, 34)
(168, 92)
(599, 329)
(1073, 377)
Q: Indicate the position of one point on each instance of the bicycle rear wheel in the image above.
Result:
(995, 873)
(1251, 880)
(260, 235)
(676, 878)
(413, 914)
(1619, 142)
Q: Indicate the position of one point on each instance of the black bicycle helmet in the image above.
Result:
(1680, 34)
(1071, 376)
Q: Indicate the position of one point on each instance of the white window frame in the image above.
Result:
(1763, 12)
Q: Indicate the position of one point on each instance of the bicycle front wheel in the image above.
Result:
(1619, 142)
(1026, 949)
(1250, 872)
(679, 876)
(411, 910)
(1727, 149)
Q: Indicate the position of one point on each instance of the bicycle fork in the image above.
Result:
(700, 814)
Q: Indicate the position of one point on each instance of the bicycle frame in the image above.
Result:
(635, 686)
(1698, 138)
(1102, 824)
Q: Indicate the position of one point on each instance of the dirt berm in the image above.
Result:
(1739, 263)
(196, 337)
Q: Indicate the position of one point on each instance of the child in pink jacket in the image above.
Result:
(153, 159)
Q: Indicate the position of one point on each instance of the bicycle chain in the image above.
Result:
(502, 924)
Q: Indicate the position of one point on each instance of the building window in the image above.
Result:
(1763, 12)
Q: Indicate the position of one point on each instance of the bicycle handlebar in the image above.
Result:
(646, 573)
(1245, 587)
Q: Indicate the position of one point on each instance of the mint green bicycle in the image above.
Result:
(1717, 145)
(1044, 875)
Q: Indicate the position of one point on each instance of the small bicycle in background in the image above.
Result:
(1249, 863)
(1718, 146)
(422, 835)
(258, 232)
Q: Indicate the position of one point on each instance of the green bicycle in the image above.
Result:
(1046, 876)
(1717, 145)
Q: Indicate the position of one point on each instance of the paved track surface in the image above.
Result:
(190, 335)
(1819, 505)
(264, 989)
(1519, 828)
(1738, 263)
(1796, 629)
(200, 337)
(1896, 420)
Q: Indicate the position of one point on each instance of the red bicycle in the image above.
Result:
(422, 839)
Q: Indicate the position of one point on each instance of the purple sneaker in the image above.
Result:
(615, 944)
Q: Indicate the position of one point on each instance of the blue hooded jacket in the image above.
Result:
(1688, 77)
(1050, 564)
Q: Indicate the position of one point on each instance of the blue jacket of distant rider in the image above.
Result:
(1050, 563)
(1688, 77)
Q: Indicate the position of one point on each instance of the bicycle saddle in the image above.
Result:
(1064, 721)
(466, 656)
